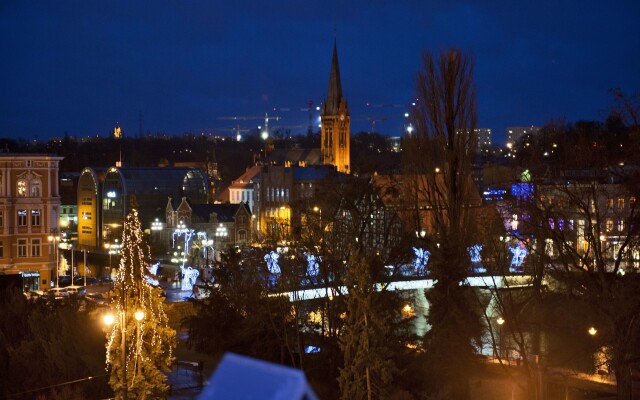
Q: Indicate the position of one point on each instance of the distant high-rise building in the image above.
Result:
(484, 137)
(514, 133)
(335, 119)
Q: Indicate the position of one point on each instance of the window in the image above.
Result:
(632, 201)
(1, 218)
(22, 217)
(22, 247)
(35, 217)
(1, 249)
(35, 188)
(620, 225)
(610, 203)
(621, 203)
(609, 225)
(242, 235)
(35, 247)
(22, 188)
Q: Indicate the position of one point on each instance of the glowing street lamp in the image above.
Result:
(55, 239)
(500, 321)
(109, 319)
(592, 331)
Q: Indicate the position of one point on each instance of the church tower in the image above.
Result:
(335, 119)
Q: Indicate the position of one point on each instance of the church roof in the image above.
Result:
(294, 156)
(224, 212)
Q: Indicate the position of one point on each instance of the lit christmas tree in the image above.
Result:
(140, 344)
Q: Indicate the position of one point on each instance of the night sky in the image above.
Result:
(78, 67)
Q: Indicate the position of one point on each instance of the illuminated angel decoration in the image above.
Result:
(190, 277)
(153, 271)
(474, 253)
(272, 262)
(519, 252)
(421, 260)
(312, 264)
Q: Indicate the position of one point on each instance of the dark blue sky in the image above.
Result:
(80, 66)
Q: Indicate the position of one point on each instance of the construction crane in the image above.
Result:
(372, 119)
(265, 132)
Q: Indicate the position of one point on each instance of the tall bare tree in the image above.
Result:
(440, 151)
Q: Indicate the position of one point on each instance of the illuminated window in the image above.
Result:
(35, 186)
(620, 225)
(35, 217)
(22, 247)
(22, 217)
(22, 188)
(632, 201)
(610, 203)
(621, 203)
(35, 247)
(609, 225)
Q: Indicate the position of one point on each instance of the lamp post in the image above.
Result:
(205, 244)
(107, 246)
(71, 248)
(500, 322)
(55, 239)
(109, 319)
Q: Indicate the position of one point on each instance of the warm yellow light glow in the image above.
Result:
(109, 319)
(500, 320)
(139, 315)
(407, 308)
(592, 331)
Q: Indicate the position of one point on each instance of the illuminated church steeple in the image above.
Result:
(335, 118)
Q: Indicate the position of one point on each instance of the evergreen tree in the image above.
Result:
(369, 367)
(148, 343)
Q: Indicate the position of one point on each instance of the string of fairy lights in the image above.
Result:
(133, 292)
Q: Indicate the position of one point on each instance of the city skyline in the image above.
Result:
(80, 68)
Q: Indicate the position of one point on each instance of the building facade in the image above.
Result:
(29, 217)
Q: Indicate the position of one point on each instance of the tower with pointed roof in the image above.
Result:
(335, 118)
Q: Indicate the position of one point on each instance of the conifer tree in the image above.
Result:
(139, 360)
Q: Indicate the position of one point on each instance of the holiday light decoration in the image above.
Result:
(153, 270)
(421, 260)
(272, 262)
(190, 275)
(474, 253)
(140, 343)
(312, 264)
(519, 252)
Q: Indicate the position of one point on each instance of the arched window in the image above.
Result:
(36, 186)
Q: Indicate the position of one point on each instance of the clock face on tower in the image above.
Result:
(341, 117)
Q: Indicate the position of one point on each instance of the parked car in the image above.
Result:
(79, 280)
(77, 290)
(99, 299)
(64, 281)
(57, 293)
(34, 294)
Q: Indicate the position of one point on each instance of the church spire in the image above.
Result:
(334, 94)
(335, 127)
